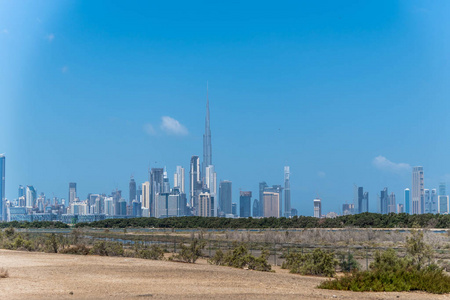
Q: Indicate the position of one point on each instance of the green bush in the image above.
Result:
(154, 252)
(348, 263)
(240, 258)
(319, 262)
(190, 253)
(389, 272)
(77, 249)
(103, 248)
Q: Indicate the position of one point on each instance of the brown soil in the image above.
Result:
(56, 276)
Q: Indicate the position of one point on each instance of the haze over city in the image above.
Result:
(343, 93)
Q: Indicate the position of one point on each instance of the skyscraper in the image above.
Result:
(245, 204)
(417, 193)
(205, 205)
(262, 186)
(2, 188)
(407, 200)
(363, 200)
(443, 199)
(317, 208)
(178, 179)
(210, 179)
(195, 182)
(72, 192)
(156, 187)
(256, 208)
(392, 207)
(146, 199)
(225, 197)
(271, 204)
(287, 192)
(207, 149)
(384, 201)
(132, 190)
(31, 196)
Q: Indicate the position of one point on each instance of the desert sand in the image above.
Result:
(59, 276)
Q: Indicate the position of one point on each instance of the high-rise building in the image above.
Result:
(245, 204)
(443, 199)
(430, 201)
(156, 186)
(178, 179)
(384, 201)
(348, 209)
(417, 193)
(2, 188)
(132, 191)
(276, 189)
(407, 197)
(116, 195)
(166, 183)
(146, 199)
(194, 182)
(225, 197)
(363, 200)
(210, 180)
(109, 207)
(234, 209)
(287, 192)
(72, 191)
(317, 208)
(256, 208)
(271, 204)
(207, 148)
(262, 186)
(31, 197)
(400, 208)
(392, 206)
(21, 191)
(206, 205)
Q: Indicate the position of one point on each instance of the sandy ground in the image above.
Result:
(58, 276)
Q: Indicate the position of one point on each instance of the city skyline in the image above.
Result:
(98, 102)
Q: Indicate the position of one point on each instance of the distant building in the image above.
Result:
(31, 196)
(443, 199)
(383, 201)
(225, 197)
(156, 187)
(417, 193)
(132, 191)
(348, 209)
(278, 190)
(287, 192)
(294, 212)
(271, 204)
(317, 208)
(195, 182)
(233, 210)
(407, 197)
(363, 200)
(400, 208)
(434, 202)
(178, 179)
(109, 207)
(331, 215)
(206, 205)
(245, 204)
(146, 199)
(392, 206)
(262, 186)
(255, 208)
(72, 192)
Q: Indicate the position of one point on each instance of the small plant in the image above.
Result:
(318, 263)
(154, 252)
(240, 258)
(190, 253)
(348, 263)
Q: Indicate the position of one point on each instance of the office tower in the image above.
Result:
(72, 191)
(194, 181)
(392, 207)
(442, 189)
(442, 199)
(206, 205)
(317, 208)
(122, 207)
(109, 206)
(245, 204)
(225, 197)
(207, 149)
(132, 191)
(116, 195)
(234, 209)
(434, 203)
(255, 208)
(400, 208)
(136, 209)
(363, 200)
(31, 196)
(271, 204)
(383, 201)
(146, 199)
(262, 186)
(166, 183)
(21, 191)
(275, 189)
(407, 197)
(347, 209)
(287, 192)
(178, 179)
(294, 212)
(156, 186)
(417, 193)
(2, 188)
(211, 179)
(139, 193)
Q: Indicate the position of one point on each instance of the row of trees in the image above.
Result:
(364, 220)
(34, 224)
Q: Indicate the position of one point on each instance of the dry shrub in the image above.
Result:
(4, 273)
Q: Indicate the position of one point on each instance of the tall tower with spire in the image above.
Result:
(207, 152)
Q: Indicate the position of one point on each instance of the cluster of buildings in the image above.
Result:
(155, 197)
(417, 200)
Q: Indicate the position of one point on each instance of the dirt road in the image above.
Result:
(58, 276)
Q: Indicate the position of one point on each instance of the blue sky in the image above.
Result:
(344, 92)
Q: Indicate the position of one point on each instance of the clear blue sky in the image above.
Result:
(325, 87)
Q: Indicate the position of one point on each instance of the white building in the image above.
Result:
(317, 208)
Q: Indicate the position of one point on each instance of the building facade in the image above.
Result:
(245, 204)
(417, 193)
(287, 192)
